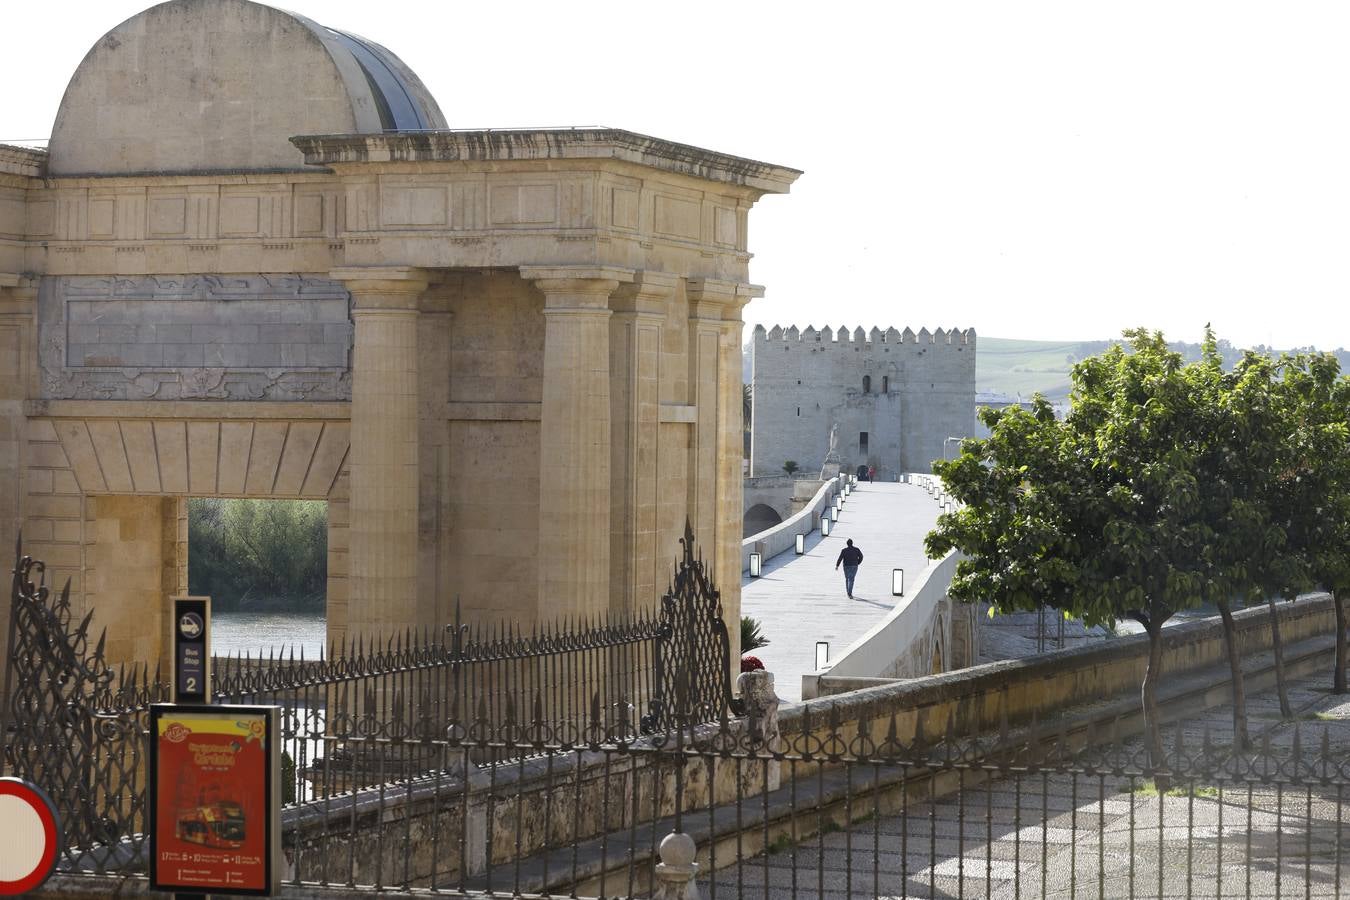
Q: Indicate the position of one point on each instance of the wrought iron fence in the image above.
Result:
(510, 801)
(76, 724)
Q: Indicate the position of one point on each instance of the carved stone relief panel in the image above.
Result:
(194, 337)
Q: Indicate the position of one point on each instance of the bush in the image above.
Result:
(751, 637)
(790, 466)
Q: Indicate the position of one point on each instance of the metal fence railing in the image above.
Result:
(395, 792)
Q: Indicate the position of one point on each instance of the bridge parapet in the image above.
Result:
(783, 536)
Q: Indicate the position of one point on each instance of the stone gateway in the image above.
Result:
(252, 263)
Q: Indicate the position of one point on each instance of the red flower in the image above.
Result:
(751, 664)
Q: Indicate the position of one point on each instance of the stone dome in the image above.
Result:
(222, 85)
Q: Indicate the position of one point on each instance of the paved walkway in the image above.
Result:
(1066, 836)
(800, 599)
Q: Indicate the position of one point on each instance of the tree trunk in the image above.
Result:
(1152, 721)
(1285, 710)
(1241, 739)
(1338, 680)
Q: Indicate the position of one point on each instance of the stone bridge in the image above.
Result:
(800, 600)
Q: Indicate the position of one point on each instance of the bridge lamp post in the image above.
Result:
(834, 514)
(756, 565)
(801, 544)
(897, 582)
(824, 526)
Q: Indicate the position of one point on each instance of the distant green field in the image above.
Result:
(1015, 367)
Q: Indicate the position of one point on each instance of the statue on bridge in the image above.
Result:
(832, 463)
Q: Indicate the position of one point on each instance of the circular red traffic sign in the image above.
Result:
(28, 822)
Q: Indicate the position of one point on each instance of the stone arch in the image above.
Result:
(937, 666)
(760, 517)
(107, 504)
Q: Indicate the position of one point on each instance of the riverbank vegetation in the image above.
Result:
(258, 554)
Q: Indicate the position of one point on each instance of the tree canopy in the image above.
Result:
(1167, 486)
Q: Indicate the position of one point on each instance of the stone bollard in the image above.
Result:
(676, 871)
(761, 704)
(761, 710)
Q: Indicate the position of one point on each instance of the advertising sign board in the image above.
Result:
(215, 799)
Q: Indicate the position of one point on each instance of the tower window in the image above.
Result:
(885, 384)
(862, 443)
(867, 384)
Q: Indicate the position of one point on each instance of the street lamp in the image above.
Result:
(756, 563)
(824, 526)
(801, 544)
(948, 440)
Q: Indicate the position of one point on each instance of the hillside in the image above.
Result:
(1013, 367)
(1021, 368)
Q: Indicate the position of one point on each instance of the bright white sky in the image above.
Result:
(1034, 169)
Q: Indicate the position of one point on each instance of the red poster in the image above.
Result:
(213, 825)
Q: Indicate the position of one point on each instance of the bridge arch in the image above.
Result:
(760, 517)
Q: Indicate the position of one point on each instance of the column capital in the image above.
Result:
(714, 298)
(384, 287)
(647, 294)
(576, 288)
(576, 273)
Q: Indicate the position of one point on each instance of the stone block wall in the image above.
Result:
(909, 392)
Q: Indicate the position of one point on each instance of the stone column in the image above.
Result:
(18, 342)
(383, 558)
(574, 439)
(639, 309)
(715, 328)
(434, 328)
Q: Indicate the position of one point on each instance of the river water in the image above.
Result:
(260, 632)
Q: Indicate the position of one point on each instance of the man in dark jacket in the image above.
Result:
(850, 558)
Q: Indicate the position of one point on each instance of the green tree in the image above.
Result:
(1312, 496)
(747, 406)
(790, 466)
(258, 552)
(1119, 511)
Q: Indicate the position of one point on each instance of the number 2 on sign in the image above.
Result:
(191, 687)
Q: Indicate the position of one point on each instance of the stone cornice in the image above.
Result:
(543, 144)
(26, 161)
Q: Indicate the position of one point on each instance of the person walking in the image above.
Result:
(850, 558)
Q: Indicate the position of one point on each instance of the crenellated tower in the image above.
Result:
(897, 396)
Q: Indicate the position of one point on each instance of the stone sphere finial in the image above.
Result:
(678, 849)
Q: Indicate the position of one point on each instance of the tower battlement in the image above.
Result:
(843, 335)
